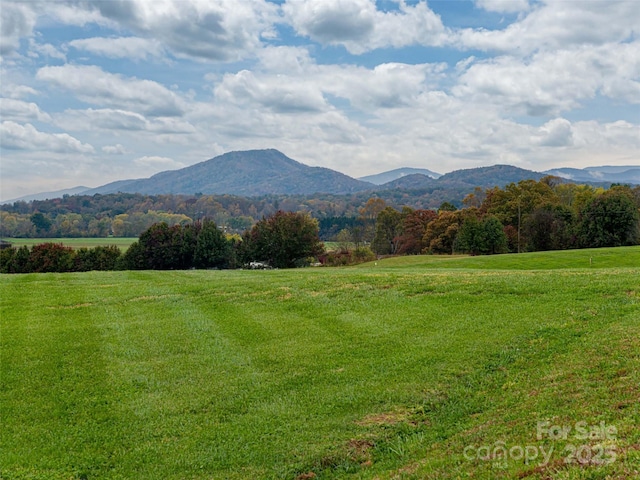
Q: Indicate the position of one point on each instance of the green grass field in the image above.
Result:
(121, 242)
(406, 368)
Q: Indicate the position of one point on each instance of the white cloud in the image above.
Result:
(290, 81)
(12, 90)
(12, 109)
(14, 136)
(93, 85)
(503, 6)
(332, 21)
(114, 149)
(16, 21)
(223, 30)
(559, 25)
(102, 119)
(277, 93)
(552, 82)
(388, 85)
(121, 122)
(555, 133)
(134, 48)
(285, 59)
(360, 27)
(45, 50)
(156, 162)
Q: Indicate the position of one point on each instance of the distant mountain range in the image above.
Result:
(265, 172)
(628, 174)
(49, 195)
(391, 175)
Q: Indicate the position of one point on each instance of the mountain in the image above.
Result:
(391, 175)
(488, 177)
(413, 181)
(246, 173)
(48, 195)
(610, 174)
(113, 187)
(485, 177)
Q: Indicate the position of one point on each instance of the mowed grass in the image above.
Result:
(399, 369)
(591, 258)
(122, 242)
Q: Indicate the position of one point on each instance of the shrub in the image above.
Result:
(97, 258)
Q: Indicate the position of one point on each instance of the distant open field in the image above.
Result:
(121, 242)
(514, 366)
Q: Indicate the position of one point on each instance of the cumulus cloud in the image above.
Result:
(15, 136)
(360, 27)
(93, 85)
(552, 82)
(12, 90)
(274, 92)
(20, 111)
(555, 133)
(134, 48)
(289, 81)
(388, 85)
(333, 21)
(221, 31)
(558, 25)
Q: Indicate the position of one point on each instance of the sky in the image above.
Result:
(97, 91)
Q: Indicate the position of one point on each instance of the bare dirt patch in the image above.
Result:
(386, 418)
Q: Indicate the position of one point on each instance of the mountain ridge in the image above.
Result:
(263, 172)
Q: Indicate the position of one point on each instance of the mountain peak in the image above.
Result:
(246, 173)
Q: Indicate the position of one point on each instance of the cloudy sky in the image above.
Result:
(96, 91)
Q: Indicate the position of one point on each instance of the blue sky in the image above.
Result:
(96, 91)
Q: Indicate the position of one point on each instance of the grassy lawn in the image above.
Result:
(406, 368)
(121, 242)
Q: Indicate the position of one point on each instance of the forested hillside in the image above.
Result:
(128, 214)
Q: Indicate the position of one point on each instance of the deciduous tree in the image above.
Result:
(283, 240)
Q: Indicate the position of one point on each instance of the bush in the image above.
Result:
(340, 258)
(97, 258)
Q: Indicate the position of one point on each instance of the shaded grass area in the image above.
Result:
(76, 243)
(378, 372)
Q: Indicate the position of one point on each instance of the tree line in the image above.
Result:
(282, 240)
(525, 216)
